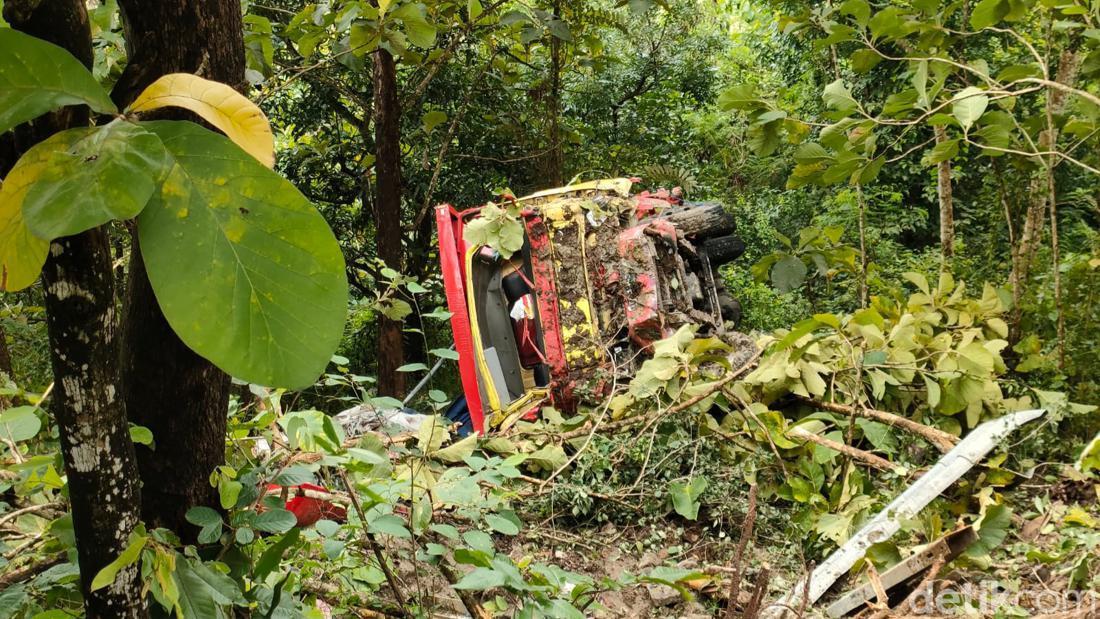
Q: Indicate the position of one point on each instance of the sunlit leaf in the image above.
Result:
(218, 104)
(22, 254)
(106, 173)
(38, 77)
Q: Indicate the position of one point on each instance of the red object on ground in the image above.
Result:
(309, 510)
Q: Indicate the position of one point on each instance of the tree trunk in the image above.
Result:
(81, 324)
(555, 160)
(387, 213)
(1031, 233)
(5, 354)
(168, 388)
(947, 206)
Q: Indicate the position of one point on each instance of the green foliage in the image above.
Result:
(93, 176)
(257, 245)
(498, 228)
(38, 77)
(20, 423)
(685, 496)
(209, 243)
(819, 256)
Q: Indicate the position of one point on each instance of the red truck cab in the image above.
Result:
(601, 275)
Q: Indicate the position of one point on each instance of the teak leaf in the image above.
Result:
(22, 254)
(38, 77)
(246, 270)
(106, 173)
(228, 110)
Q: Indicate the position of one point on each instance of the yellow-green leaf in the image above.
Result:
(37, 77)
(22, 254)
(128, 557)
(246, 270)
(228, 110)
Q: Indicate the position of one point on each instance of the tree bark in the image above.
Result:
(168, 388)
(555, 159)
(947, 206)
(387, 213)
(1031, 233)
(5, 354)
(81, 323)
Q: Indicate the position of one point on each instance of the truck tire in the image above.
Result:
(723, 249)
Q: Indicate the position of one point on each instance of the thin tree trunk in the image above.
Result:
(1013, 276)
(168, 388)
(1052, 201)
(555, 161)
(81, 325)
(864, 261)
(947, 207)
(387, 213)
(1031, 233)
(5, 353)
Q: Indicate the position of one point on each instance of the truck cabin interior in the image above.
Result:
(502, 296)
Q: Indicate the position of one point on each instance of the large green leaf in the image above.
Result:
(204, 592)
(128, 557)
(789, 273)
(19, 423)
(274, 521)
(107, 173)
(992, 530)
(246, 270)
(37, 77)
(968, 106)
(988, 12)
(685, 496)
(419, 30)
(837, 95)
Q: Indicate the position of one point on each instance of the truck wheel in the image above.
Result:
(723, 249)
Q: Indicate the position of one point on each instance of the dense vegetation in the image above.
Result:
(917, 183)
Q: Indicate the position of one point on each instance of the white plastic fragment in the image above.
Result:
(953, 465)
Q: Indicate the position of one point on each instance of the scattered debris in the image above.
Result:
(887, 522)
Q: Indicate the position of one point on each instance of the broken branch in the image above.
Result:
(938, 438)
(867, 458)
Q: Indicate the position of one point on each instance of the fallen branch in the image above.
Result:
(476, 610)
(752, 611)
(331, 497)
(686, 404)
(938, 438)
(42, 509)
(29, 571)
(867, 458)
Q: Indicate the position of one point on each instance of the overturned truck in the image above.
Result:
(601, 275)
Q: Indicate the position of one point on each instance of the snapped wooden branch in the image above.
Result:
(46, 510)
(938, 438)
(30, 570)
(867, 458)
